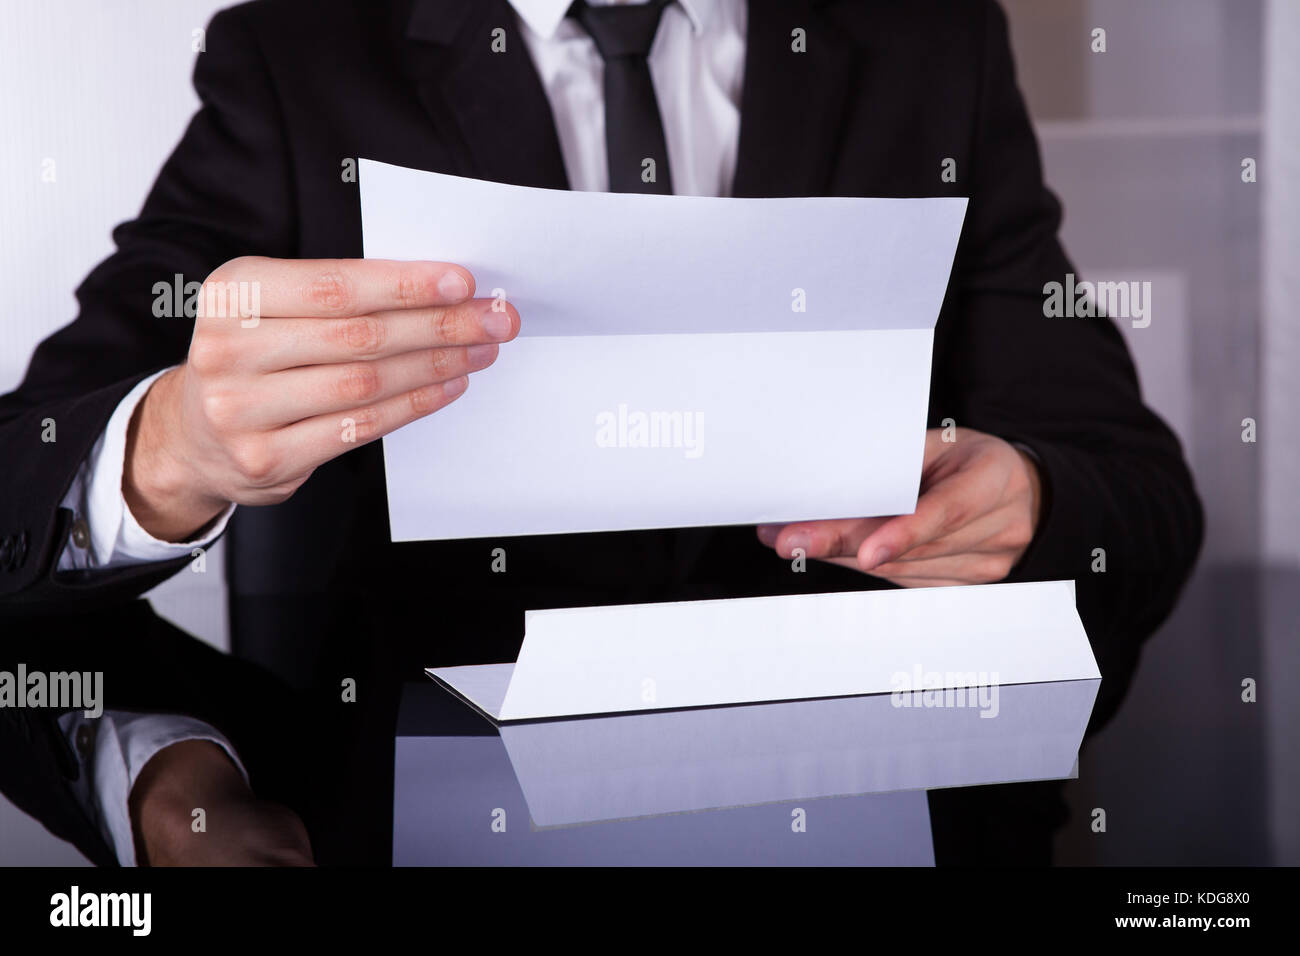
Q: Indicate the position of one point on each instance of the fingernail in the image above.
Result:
(453, 286)
(797, 542)
(455, 386)
(881, 555)
(767, 533)
(497, 324)
(481, 356)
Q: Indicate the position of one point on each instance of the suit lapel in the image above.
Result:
(493, 101)
(792, 104)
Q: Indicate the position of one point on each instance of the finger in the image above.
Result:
(939, 451)
(956, 569)
(313, 442)
(935, 446)
(282, 398)
(898, 573)
(910, 582)
(819, 539)
(331, 288)
(999, 530)
(948, 505)
(291, 343)
(844, 537)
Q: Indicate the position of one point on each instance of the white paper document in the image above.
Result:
(683, 361)
(636, 657)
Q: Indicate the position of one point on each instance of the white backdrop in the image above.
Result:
(94, 95)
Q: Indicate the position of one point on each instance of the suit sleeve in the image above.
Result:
(1064, 387)
(224, 192)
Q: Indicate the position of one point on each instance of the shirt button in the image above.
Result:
(85, 739)
(81, 533)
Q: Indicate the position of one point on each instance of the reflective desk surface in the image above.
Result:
(839, 781)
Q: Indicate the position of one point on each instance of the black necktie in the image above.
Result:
(634, 132)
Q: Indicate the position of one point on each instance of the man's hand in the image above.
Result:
(240, 829)
(977, 513)
(341, 352)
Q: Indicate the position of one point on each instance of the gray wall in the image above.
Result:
(1144, 144)
(1280, 383)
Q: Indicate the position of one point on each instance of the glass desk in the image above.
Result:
(838, 781)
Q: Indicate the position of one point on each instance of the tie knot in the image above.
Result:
(625, 29)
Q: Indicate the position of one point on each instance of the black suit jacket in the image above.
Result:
(886, 92)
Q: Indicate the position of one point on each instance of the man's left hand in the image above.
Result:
(977, 512)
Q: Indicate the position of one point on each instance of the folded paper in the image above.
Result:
(601, 660)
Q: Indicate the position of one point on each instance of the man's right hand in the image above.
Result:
(343, 351)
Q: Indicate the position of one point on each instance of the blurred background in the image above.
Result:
(1144, 143)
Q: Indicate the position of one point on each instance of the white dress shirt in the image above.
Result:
(697, 65)
(105, 532)
(111, 751)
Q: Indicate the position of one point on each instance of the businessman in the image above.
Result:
(179, 424)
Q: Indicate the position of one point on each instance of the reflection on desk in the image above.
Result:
(837, 781)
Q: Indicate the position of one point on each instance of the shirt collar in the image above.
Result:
(543, 17)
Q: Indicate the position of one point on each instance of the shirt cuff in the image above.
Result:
(112, 750)
(105, 533)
